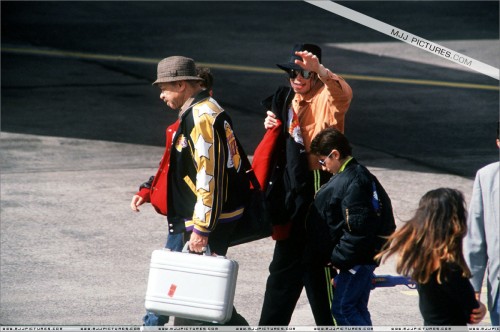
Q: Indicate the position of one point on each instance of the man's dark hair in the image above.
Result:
(329, 139)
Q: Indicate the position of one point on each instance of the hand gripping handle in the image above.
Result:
(206, 252)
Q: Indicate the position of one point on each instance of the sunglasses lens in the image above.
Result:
(306, 74)
(292, 73)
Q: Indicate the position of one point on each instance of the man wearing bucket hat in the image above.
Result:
(204, 169)
(316, 99)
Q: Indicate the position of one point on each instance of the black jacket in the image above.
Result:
(286, 194)
(349, 218)
(450, 302)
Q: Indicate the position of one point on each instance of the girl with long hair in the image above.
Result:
(429, 246)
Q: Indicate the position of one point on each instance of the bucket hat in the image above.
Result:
(314, 49)
(176, 68)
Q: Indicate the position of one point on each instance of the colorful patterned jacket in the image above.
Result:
(206, 183)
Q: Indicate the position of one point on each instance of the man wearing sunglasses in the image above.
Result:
(316, 99)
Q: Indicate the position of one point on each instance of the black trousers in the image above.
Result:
(289, 274)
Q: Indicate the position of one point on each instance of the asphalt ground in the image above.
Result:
(73, 253)
(82, 127)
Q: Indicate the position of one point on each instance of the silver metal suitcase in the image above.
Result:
(199, 287)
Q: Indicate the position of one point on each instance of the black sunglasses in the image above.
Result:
(306, 74)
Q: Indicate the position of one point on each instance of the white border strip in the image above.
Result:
(407, 37)
(128, 328)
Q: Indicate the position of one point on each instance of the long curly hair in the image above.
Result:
(433, 236)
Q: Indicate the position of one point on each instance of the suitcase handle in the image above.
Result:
(186, 249)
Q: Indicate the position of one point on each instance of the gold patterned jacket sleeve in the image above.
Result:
(210, 158)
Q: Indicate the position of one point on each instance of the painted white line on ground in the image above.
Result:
(254, 69)
(408, 38)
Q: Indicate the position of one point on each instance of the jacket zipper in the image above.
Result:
(347, 219)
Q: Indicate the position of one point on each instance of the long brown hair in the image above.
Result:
(431, 237)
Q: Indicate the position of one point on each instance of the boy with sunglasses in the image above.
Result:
(347, 225)
(315, 100)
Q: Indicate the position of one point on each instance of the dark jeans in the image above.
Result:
(352, 292)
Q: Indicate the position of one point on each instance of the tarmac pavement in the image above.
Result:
(82, 128)
(73, 253)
